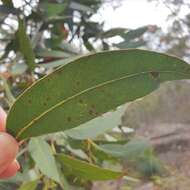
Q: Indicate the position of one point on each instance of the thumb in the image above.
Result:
(3, 117)
(8, 150)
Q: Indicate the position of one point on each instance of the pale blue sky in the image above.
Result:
(135, 13)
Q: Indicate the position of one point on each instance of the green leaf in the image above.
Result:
(5, 10)
(43, 156)
(85, 170)
(132, 34)
(31, 185)
(129, 151)
(53, 9)
(113, 32)
(80, 7)
(52, 53)
(138, 153)
(97, 126)
(130, 44)
(89, 87)
(25, 45)
(18, 69)
(58, 63)
(7, 3)
(8, 185)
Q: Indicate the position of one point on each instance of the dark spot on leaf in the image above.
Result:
(45, 104)
(29, 101)
(91, 112)
(48, 98)
(69, 119)
(78, 83)
(81, 101)
(102, 90)
(96, 113)
(154, 74)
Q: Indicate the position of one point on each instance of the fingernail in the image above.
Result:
(17, 165)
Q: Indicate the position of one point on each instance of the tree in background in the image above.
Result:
(176, 39)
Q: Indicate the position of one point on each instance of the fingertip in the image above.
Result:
(8, 150)
(3, 117)
(11, 170)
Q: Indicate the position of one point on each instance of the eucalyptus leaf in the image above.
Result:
(97, 126)
(132, 34)
(85, 170)
(25, 45)
(80, 7)
(43, 156)
(52, 53)
(53, 9)
(89, 87)
(31, 185)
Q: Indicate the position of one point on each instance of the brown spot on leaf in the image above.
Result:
(69, 119)
(81, 101)
(91, 112)
(154, 74)
(78, 83)
(48, 98)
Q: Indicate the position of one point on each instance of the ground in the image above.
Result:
(163, 118)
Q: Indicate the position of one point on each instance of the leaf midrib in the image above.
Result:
(88, 90)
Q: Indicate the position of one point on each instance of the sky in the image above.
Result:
(135, 13)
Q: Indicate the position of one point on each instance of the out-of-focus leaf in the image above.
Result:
(58, 63)
(31, 185)
(11, 46)
(68, 48)
(138, 153)
(18, 68)
(25, 45)
(43, 156)
(89, 87)
(85, 170)
(88, 45)
(129, 151)
(113, 32)
(98, 125)
(6, 185)
(80, 7)
(5, 10)
(7, 3)
(131, 44)
(52, 53)
(53, 9)
(132, 34)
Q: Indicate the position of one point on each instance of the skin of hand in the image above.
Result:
(8, 150)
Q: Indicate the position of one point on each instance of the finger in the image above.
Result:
(8, 150)
(3, 117)
(11, 170)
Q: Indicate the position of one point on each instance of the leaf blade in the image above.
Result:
(43, 157)
(91, 86)
(86, 170)
(25, 45)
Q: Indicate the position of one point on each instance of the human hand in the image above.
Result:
(8, 150)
